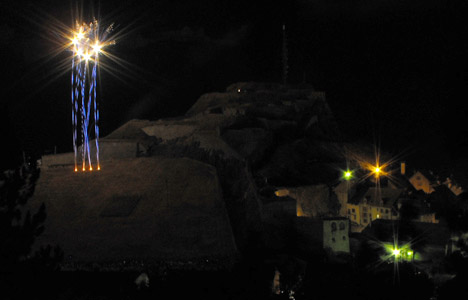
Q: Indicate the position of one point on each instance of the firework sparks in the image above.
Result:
(86, 43)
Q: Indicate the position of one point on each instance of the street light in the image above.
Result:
(377, 171)
(348, 175)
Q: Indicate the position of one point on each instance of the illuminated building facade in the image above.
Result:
(422, 181)
(371, 204)
(336, 234)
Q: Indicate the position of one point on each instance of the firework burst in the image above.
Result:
(87, 43)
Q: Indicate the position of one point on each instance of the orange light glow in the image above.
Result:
(376, 169)
(76, 169)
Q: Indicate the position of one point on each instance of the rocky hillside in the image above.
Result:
(259, 137)
(256, 137)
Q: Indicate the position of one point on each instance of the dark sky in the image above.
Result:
(394, 73)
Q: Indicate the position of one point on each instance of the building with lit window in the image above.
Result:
(371, 203)
(336, 234)
(428, 181)
(423, 181)
(329, 234)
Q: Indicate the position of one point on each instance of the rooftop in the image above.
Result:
(376, 196)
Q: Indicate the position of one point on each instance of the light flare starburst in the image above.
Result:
(86, 43)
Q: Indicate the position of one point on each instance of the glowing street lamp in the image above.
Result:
(377, 171)
(348, 175)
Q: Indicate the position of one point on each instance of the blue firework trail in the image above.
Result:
(73, 107)
(86, 48)
(96, 114)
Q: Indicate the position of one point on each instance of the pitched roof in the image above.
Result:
(376, 196)
(428, 174)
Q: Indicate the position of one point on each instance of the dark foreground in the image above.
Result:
(250, 279)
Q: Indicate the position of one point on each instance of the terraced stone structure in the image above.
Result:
(192, 188)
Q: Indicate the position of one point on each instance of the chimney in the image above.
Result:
(403, 168)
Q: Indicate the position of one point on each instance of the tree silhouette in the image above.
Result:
(18, 230)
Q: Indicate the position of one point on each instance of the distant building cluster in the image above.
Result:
(365, 201)
(373, 205)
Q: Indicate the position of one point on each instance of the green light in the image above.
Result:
(409, 253)
(396, 252)
(348, 174)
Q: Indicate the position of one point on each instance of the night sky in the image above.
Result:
(394, 73)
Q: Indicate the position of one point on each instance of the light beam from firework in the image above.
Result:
(87, 43)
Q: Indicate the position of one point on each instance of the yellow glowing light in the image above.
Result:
(396, 252)
(378, 171)
(348, 175)
(76, 169)
(90, 168)
(74, 41)
(409, 253)
(97, 47)
(99, 168)
(80, 35)
(282, 193)
(86, 56)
